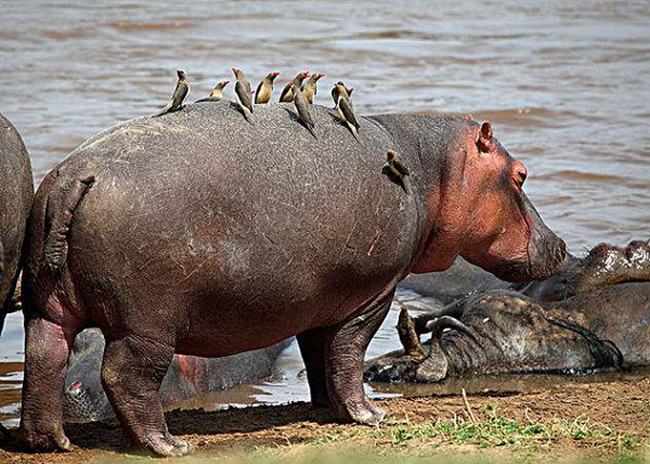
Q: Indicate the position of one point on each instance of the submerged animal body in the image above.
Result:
(593, 314)
(262, 233)
(187, 377)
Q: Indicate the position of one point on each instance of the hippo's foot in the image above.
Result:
(366, 413)
(165, 444)
(41, 439)
(132, 372)
(346, 345)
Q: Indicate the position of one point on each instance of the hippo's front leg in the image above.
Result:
(132, 371)
(345, 348)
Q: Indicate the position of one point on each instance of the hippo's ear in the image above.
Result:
(485, 139)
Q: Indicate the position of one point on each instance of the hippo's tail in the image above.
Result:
(61, 204)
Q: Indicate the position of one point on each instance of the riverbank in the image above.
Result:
(608, 422)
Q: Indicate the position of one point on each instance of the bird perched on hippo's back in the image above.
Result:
(335, 92)
(395, 169)
(243, 93)
(309, 88)
(345, 109)
(265, 88)
(181, 92)
(217, 92)
(287, 94)
(303, 108)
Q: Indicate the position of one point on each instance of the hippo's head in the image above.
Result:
(487, 216)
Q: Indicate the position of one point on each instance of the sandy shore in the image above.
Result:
(586, 420)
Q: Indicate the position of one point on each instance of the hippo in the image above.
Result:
(187, 377)
(199, 233)
(16, 195)
(592, 314)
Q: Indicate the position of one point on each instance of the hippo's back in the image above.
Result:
(16, 191)
(209, 153)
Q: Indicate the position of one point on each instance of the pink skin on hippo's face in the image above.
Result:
(488, 219)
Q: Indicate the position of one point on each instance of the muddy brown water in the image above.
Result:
(565, 84)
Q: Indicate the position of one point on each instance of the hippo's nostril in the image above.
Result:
(519, 173)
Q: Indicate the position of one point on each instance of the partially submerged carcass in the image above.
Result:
(593, 314)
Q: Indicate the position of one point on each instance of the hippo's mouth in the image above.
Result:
(527, 269)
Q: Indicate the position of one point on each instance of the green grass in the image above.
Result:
(493, 439)
(494, 431)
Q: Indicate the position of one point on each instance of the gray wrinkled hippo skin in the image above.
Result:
(593, 314)
(16, 194)
(187, 377)
(198, 233)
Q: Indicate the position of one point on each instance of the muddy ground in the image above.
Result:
(599, 420)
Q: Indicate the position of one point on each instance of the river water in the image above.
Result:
(565, 84)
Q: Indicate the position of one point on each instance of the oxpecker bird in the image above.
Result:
(216, 94)
(345, 109)
(309, 88)
(287, 94)
(335, 92)
(265, 88)
(395, 169)
(243, 93)
(181, 92)
(217, 91)
(303, 108)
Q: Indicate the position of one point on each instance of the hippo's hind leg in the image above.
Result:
(47, 346)
(312, 348)
(132, 371)
(345, 348)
